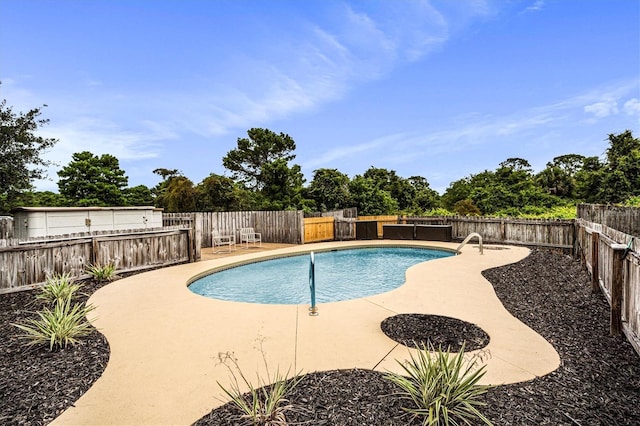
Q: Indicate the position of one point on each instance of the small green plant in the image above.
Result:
(58, 288)
(265, 404)
(633, 201)
(442, 386)
(101, 273)
(57, 327)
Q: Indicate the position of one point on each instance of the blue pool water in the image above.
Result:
(339, 275)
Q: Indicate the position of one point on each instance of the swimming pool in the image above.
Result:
(339, 275)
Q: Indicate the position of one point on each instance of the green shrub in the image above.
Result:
(442, 386)
(265, 404)
(466, 208)
(633, 201)
(57, 327)
(440, 211)
(58, 288)
(102, 273)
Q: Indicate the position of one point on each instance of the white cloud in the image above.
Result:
(603, 108)
(537, 6)
(632, 107)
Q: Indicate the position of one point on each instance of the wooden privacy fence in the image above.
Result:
(532, 232)
(339, 224)
(319, 229)
(624, 219)
(275, 226)
(26, 264)
(613, 260)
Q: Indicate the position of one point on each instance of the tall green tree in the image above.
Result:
(329, 189)
(621, 179)
(387, 180)
(21, 153)
(262, 147)
(559, 176)
(261, 162)
(221, 193)
(159, 191)
(139, 195)
(178, 195)
(370, 199)
(589, 180)
(424, 198)
(282, 185)
(412, 195)
(91, 180)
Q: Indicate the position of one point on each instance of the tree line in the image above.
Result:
(263, 176)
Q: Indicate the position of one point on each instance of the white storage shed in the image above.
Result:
(32, 222)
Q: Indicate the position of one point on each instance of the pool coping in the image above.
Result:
(165, 340)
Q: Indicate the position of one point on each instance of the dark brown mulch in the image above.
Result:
(420, 330)
(37, 385)
(598, 382)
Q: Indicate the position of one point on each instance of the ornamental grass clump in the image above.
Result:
(265, 403)
(58, 288)
(57, 326)
(102, 273)
(442, 386)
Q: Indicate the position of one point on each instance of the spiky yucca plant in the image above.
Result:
(101, 273)
(442, 386)
(58, 288)
(57, 327)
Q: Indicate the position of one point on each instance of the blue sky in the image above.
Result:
(440, 89)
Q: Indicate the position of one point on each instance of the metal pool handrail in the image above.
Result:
(466, 240)
(313, 310)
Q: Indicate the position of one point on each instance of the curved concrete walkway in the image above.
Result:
(165, 340)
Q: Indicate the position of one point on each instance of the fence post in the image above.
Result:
(197, 228)
(95, 247)
(619, 251)
(595, 268)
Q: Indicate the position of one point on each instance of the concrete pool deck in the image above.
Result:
(165, 340)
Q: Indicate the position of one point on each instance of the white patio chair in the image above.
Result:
(218, 240)
(248, 235)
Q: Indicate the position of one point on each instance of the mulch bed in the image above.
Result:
(436, 331)
(598, 382)
(36, 385)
